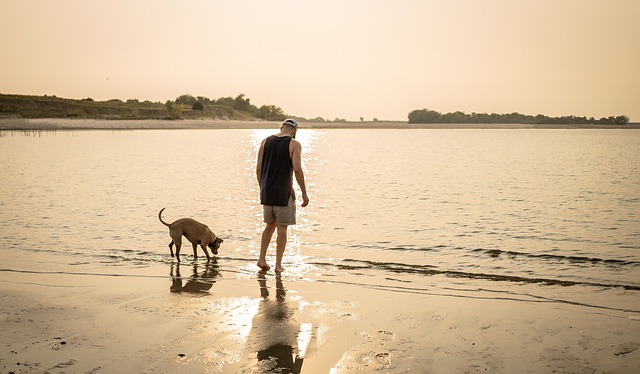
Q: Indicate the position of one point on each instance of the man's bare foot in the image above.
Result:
(264, 266)
(279, 269)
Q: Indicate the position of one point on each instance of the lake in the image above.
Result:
(516, 213)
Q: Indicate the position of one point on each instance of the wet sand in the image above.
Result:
(152, 321)
(51, 124)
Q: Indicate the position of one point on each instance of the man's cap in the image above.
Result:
(291, 123)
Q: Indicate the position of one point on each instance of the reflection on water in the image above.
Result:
(280, 342)
(199, 282)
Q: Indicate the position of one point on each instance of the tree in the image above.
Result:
(271, 113)
(622, 120)
(197, 106)
(424, 116)
(226, 101)
(240, 103)
(174, 110)
(186, 99)
(204, 100)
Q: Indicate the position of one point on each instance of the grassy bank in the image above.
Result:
(23, 106)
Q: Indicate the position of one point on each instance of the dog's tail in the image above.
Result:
(160, 217)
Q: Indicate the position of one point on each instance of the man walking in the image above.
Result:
(279, 159)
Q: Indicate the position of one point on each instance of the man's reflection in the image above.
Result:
(199, 282)
(275, 332)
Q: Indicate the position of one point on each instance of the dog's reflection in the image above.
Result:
(275, 333)
(200, 281)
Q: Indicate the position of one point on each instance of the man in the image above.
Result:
(279, 158)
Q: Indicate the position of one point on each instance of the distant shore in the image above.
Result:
(51, 124)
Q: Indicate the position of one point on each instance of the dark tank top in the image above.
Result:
(276, 184)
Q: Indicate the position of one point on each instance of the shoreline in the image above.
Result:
(54, 124)
(140, 320)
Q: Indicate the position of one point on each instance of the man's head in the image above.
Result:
(290, 126)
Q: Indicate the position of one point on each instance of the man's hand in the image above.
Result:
(305, 200)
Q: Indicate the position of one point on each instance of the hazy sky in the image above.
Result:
(333, 58)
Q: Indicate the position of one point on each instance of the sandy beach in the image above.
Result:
(147, 321)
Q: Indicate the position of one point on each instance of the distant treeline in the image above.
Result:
(184, 106)
(432, 116)
(240, 103)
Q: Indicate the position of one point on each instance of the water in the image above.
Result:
(517, 213)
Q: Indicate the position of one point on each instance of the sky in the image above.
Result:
(333, 58)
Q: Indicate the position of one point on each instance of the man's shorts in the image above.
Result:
(284, 215)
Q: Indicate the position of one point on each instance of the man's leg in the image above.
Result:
(281, 244)
(267, 234)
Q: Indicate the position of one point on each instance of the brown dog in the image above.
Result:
(195, 232)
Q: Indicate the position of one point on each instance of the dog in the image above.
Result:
(196, 232)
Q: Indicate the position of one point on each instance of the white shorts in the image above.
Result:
(284, 215)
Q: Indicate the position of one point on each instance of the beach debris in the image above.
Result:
(624, 348)
(182, 354)
(62, 365)
(384, 358)
(59, 344)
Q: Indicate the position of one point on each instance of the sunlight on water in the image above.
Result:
(527, 206)
(307, 138)
(304, 337)
(237, 324)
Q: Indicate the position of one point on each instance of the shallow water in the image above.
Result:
(421, 211)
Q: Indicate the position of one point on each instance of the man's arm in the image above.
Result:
(259, 163)
(296, 159)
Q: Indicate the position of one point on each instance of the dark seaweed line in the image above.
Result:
(428, 270)
(574, 259)
(538, 299)
(498, 253)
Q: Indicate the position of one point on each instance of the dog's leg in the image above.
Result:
(195, 250)
(206, 252)
(178, 246)
(171, 248)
